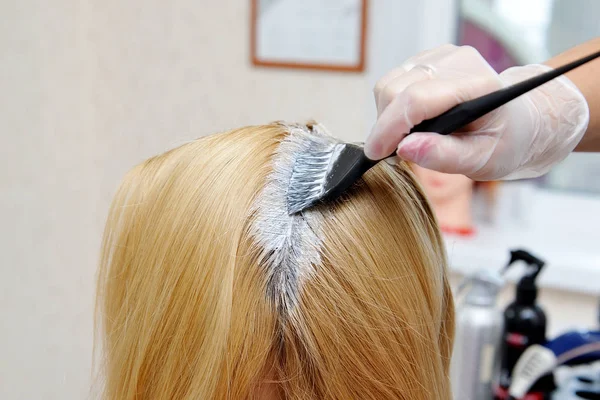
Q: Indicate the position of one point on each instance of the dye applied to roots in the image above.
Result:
(290, 243)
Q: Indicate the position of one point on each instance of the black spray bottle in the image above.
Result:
(524, 325)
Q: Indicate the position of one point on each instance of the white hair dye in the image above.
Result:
(291, 244)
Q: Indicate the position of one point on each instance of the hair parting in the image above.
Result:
(290, 243)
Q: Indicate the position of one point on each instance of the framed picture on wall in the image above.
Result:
(309, 34)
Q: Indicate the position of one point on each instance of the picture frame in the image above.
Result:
(309, 34)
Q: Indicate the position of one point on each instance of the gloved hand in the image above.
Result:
(522, 139)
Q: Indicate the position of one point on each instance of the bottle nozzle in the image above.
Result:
(526, 288)
(527, 257)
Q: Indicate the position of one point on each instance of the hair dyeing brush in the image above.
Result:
(326, 174)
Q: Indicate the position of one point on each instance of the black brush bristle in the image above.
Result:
(325, 174)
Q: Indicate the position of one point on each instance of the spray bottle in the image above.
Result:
(479, 325)
(524, 324)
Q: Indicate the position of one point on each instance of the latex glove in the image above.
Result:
(522, 139)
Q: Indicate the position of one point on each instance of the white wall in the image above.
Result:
(90, 88)
(48, 182)
(87, 90)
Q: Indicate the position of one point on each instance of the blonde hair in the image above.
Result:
(182, 290)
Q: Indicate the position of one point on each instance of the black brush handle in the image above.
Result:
(467, 112)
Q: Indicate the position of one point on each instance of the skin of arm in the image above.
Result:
(587, 79)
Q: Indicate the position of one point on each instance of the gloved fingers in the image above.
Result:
(385, 95)
(460, 154)
(418, 102)
(468, 61)
(423, 60)
(420, 58)
(430, 57)
(524, 138)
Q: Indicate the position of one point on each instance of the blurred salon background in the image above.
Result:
(90, 88)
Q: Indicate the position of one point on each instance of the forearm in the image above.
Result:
(587, 79)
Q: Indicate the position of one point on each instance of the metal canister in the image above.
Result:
(477, 337)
